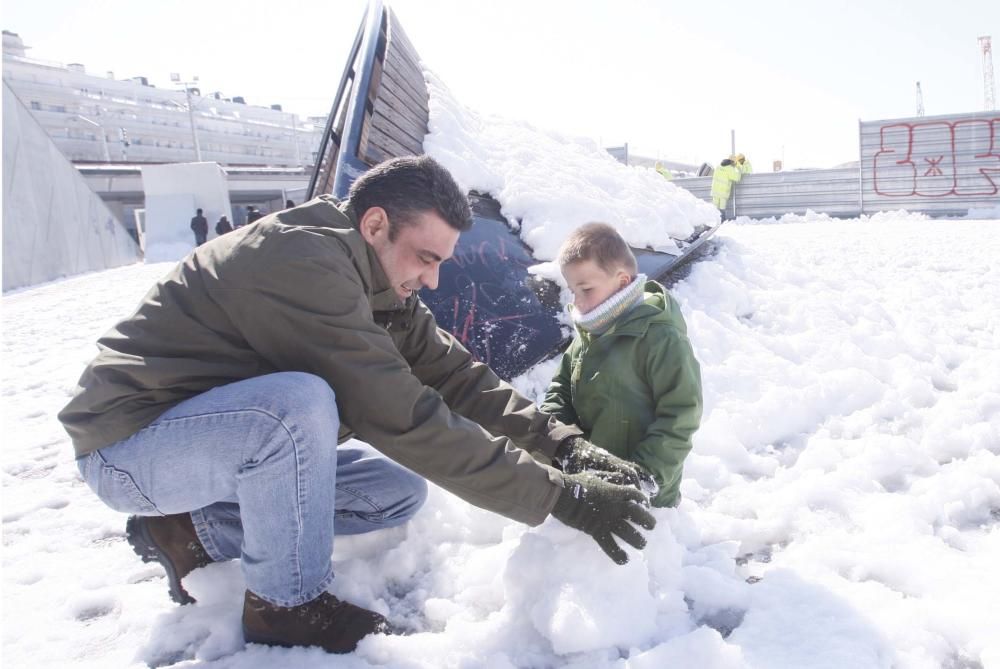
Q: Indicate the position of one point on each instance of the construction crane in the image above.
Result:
(989, 88)
(920, 101)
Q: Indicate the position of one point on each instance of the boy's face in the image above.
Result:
(591, 285)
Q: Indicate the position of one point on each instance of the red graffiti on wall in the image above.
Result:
(921, 159)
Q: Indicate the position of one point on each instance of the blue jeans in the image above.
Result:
(257, 465)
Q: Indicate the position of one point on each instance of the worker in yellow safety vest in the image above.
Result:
(741, 163)
(723, 178)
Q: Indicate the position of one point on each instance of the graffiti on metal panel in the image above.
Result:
(488, 301)
(921, 159)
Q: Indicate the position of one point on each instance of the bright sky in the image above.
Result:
(670, 77)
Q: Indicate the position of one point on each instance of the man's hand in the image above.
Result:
(576, 455)
(647, 484)
(602, 510)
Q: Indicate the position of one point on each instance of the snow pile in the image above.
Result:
(841, 506)
(814, 218)
(553, 184)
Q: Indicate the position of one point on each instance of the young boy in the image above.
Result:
(629, 380)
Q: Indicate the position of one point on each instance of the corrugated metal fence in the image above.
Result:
(940, 164)
(943, 165)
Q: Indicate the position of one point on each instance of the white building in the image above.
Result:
(100, 119)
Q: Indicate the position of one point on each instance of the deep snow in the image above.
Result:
(842, 503)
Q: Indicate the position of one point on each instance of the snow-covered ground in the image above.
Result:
(842, 503)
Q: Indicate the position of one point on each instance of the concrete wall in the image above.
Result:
(173, 192)
(53, 224)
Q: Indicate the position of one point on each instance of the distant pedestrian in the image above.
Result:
(723, 179)
(252, 214)
(199, 225)
(223, 226)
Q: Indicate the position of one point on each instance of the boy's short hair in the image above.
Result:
(600, 243)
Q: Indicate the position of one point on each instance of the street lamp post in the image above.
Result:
(176, 78)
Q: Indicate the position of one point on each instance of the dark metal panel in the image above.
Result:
(488, 301)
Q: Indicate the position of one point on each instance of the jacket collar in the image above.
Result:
(636, 322)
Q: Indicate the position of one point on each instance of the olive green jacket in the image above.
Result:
(301, 290)
(635, 390)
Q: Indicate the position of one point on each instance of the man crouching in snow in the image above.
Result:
(213, 414)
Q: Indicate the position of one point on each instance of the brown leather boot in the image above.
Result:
(171, 541)
(326, 621)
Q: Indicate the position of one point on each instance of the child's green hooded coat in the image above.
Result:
(635, 390)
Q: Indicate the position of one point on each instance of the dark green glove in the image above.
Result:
(576, 455)
(602, 509)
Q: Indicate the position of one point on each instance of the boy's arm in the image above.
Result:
(558, 400)
(674, 377)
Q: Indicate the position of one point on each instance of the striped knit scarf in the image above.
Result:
(600, 318)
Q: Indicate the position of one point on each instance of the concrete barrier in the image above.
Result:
(53, 224)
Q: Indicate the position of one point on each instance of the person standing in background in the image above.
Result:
(723, 178)
(199, 225)
(252, 214)
(223, 226)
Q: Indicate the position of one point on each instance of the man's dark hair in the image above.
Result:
(407, 186)
(199, 212)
